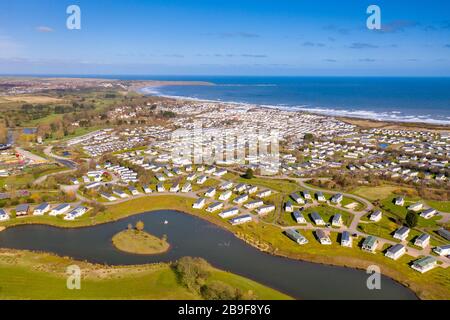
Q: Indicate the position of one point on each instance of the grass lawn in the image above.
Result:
(139, 242)
(284, 186)
(439, 205)
(28, 275)
(376, 193)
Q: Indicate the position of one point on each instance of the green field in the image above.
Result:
(27, 275)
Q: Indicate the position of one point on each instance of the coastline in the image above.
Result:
(344, 115)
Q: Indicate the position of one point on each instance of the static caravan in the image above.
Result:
(423, 240)
(60, 209)
(254, 204)
(298, 217)
(41, 209)
(228, 213)
(199, 204)
(241, 219)
(346, 239)
(396, 251)
(214, 207)
(424, 264)
(296, 236)
(225, 195)
(265, 209)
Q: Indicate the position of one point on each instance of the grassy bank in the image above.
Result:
(29, 275)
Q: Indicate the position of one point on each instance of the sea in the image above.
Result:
(421, 100)
(401, 99)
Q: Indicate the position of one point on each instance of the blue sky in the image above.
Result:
(212, 37)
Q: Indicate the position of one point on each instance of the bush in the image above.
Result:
(248, 174)
(217, 290)
(192, 272)
(411, 219)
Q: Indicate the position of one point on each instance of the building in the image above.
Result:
(187, 187)
(416, 207)
(133, 190)
(175, 187)
(376, 216)
(429, 213)
(199, 204)
(337, 220)
(202, 179)
(214, 207)
(228, 213)
(346, 239)
(444, 233)
(254, 204)
(288, 207)
(210, 192)
(296, 236)
(120, 193)
(241, 219)
(320, 197)
(107, 196)
(75, 213)
(41, 209)
(307, 195)
(401, 233)
(241, 199)
(264, 193)
(396, 251)
(160, 187)
(337, 198)
(317, 219)
(240, 187)
(370, 244)
(225, 195)
(442, 250)
(298, 217)
(265, 209)
(424, 264)
(399, 201)
(147, 189)
(3, 215)
(226, 185)
(22, 209)
(423, 240)
(323, 237)
(296, 197)
(93, 185)
(220, 172)
(60, 209)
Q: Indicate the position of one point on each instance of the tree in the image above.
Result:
(248, 174)
(139, 225)
(308, 137)
(411, 219)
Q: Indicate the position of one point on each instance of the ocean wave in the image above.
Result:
(395, 116)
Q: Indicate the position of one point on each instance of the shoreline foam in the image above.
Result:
(388, 116)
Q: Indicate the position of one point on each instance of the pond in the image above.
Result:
(191, 236)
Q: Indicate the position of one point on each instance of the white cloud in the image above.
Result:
(44, 29)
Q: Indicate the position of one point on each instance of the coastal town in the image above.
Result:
(335, 189)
